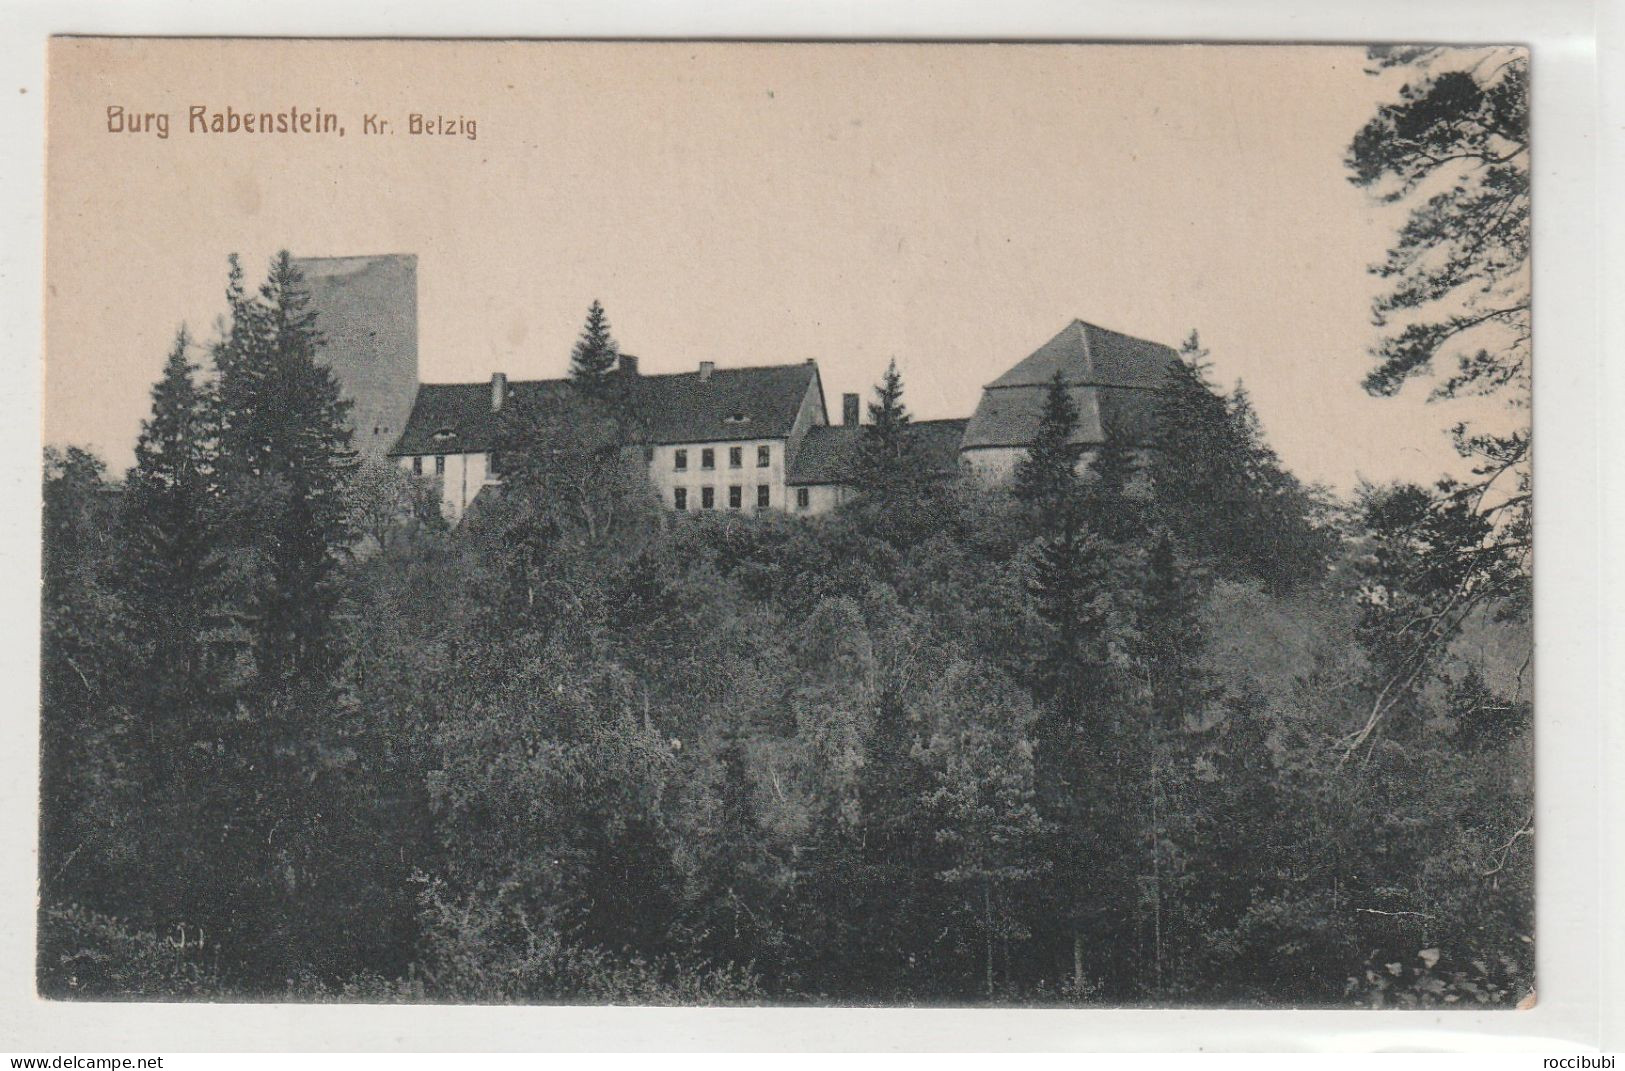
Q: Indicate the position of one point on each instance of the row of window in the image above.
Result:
(708, 460)
(440, 464)
(708, 495)
(736, 497)
(736, 458)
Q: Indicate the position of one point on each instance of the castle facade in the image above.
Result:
(743, 439)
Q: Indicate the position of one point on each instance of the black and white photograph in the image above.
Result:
(860, 525)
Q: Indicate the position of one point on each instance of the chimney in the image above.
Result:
(629, 364)
(849, 410)
(499, 390)
(706, 368)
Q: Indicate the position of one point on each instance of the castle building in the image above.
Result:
(728, 439)
(713, 439)
(1111, 377)
(367, 314)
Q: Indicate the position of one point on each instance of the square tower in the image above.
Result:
(367, 312)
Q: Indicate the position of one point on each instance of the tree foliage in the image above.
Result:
(1192, 738)
(285, 464)
(1455, 146)
(887, 462)
(1044, 477)
(595, 353)
(1221, 489)
(1454, 149)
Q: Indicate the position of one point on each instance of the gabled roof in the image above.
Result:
(1087, 354)
(1112, 379)
(729, 404)
(827, 451)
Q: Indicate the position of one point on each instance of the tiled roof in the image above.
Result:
(732, 403)
(729, 404)
(1112, 378)
(827, 452)
(1087, 354)
(1010, 416)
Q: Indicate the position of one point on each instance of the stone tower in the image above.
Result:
(367, 312)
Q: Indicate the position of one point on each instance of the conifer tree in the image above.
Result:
(1046, 477)
(1112, 505)
(887, 460)
(1220, 489)
(86, 653)
(1174, 689)
(595, 353)
(169, 523)
(1082, 586)
(169, 518)
(285, 463)
(737, 909)
(272, 803)
(1198, 468)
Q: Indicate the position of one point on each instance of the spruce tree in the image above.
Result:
(267, 801)
(1220, 489)
(169, 523)
(168, 509)
(171, 530)
(887, 461)
(596, 353)
(285, 462)
(1090, 755)
(88, 648)
(1198, 468)
(1111, 504)
(1046, 477)
(736, 914)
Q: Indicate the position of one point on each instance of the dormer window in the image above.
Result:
(736, 418)
(443, 434)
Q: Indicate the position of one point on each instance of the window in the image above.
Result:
(679, 460)
(708, 458)
(764, 456)
(802, 497)
(417, 466)
(736, 456)
(440, 465)
(708, 498)
(764, 496)
(679, 498)
(493, 466)
(736, 496)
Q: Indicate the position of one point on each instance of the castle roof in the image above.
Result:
(828, 452)
(720, 405)
(1111, 377)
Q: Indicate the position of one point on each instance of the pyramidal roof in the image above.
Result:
(1088, 355)
(1112, 378)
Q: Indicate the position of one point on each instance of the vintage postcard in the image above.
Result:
(1004, 525)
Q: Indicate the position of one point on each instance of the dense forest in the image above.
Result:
(1165, 727)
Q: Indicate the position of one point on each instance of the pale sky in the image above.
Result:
(952, 206)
